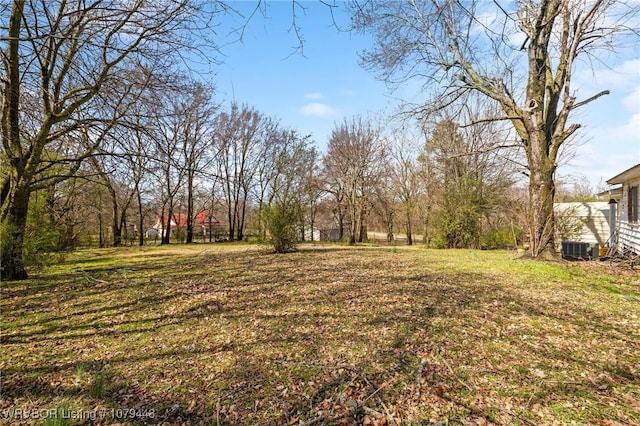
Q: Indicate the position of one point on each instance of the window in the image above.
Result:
(632, 204)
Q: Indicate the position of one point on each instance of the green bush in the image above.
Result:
(500, 238)
(281, 221)
(461, 231)
(39, 245)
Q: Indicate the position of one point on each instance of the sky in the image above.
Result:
(314, 88)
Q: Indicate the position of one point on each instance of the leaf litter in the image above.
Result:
(232, 334)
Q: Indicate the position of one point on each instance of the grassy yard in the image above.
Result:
(233, 334)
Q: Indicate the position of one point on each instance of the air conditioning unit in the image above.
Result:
(574, 249)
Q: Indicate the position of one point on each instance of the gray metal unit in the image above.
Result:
(579, 250)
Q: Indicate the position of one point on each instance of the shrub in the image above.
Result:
(281, 221)
(39, 246)
(501, 237)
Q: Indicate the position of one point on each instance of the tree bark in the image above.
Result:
(141, 231)
(189, 207)
(541, 213)
(15, 191)
(166, 236)
(14, 232)
(117, 227)
(390, 226)
(362, 228)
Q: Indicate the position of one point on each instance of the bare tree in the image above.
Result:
(406, 185)
(116, 162)
(385, 203)
(60, 58)
(169, 163)
(240, 134)
(274, 141)
(459, 195)
(355, 154)
(334, 185)
(454, 49)
(466, 176)
(310, 189)
(196, 108)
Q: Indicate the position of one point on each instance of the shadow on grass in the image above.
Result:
(265, 339)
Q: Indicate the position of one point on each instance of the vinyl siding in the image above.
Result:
(628, 232)
(593, 216)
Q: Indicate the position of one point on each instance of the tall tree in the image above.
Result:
(453, 49)
(407, 187)
(169, 163)
(460, 198)
(120, 166)
(239, 137)
(310, 189)
(355, 154)
(274, 141)
(196, 109)
(62, 59)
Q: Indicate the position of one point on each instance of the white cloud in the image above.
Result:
(318, 110)
(622, 76)
(629, 131)
(517, 39)
(314, 96)
(611, 123)
(632, 100)
(608, 151)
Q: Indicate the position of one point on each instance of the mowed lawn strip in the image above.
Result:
(233, 334)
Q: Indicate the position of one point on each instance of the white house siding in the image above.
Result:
(628, 232)
(594, 217)
(628, 237)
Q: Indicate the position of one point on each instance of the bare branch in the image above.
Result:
(591, 99)
(491, 119)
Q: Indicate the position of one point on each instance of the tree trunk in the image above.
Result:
(231, 219)
(15, 190)
(426, 239)
(166, 235)
(362, 228)
(354, 215)
(15, 226)
(241, 219)
(141, 219)
(409, 229)
(312, 221)
(541, 214)
(190, 207)
(354, 227)
(262, 229)
(117, 229)
(100, 235)
(390, 227)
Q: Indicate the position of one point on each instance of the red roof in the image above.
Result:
(180, 219)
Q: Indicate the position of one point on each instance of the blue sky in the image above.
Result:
(312, 92)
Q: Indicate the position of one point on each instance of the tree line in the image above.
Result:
(178, 152)
(95, 116)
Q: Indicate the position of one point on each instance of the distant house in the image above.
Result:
(627, 227)
(204, 224)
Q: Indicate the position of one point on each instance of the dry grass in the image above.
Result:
(232, 334)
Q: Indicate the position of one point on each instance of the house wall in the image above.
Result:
(628, 233)
(594, 218)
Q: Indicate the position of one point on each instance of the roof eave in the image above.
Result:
(625, 176)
